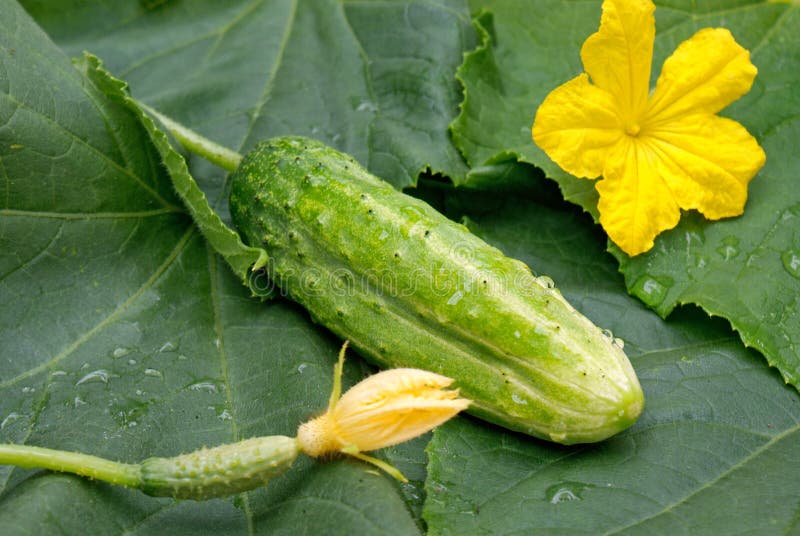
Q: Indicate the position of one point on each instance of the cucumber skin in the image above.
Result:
(410, 288)
(220, 471)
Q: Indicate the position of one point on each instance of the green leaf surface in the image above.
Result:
(716, 450)
(126, 336)
(745, 269)
(374, 79)
(223, 240)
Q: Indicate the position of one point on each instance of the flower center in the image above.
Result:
(632, 129)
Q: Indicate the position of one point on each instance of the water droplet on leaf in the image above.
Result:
(100, 375)
(566, 491)
(791, 261)
(10, 418)
(207, 386)
(729, 248)
(651, 290)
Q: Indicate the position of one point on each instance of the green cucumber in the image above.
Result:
(410, 288)
(219, 471)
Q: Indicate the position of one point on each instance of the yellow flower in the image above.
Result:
(385, 409)
(660, 152)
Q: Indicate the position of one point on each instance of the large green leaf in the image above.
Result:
(374, 79)
(745, 269)
(125, 336)
(717, 450)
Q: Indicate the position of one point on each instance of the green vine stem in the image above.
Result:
(28, 457)
(194, 142)
(199, 475)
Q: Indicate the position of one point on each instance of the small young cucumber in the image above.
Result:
(219, 471)
(411, 288)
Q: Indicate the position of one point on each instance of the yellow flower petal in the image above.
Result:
(576, 125)
(707, 162)
(704, 74)
(635, 203)
(394, 406)
(618, 57)
(656, 154)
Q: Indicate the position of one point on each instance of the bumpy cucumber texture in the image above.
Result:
(411, 288)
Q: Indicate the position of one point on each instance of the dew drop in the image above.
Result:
(518, 399)
(791, 262)
(608, 334)
(225, 415)
(619, 343)
(729, 248)
(517, 334)
(301, 367)
(545, 281)
(207, 386)
(100, 375)
(566, 491)
(413, 213)
(153, 373)
(455, 298)
(383, 236)
(167, 347)
(131, 361)
(10, 418)
(366, 106)
(651, 290)
(563, 494)
(120, 352)
(701, 262)
(78, 402)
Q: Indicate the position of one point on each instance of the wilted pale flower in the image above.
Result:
(383, 410)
